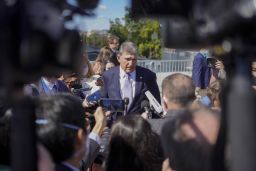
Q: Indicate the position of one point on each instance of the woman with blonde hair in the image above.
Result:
(102, 59)
(89, 80)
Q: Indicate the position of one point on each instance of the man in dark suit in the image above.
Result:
(62, 130)
(130, 81)
(201, 73)
(46, 86)
(178, 94)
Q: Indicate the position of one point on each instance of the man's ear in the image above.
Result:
(164, 105)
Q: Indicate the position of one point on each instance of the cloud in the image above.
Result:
(102, 7)
(101, 17)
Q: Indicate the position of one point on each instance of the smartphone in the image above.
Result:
(211, 62)
(94, 97)
(113, 105)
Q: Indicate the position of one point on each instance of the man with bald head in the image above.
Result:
(178, 93)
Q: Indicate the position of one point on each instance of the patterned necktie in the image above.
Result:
(127, 89)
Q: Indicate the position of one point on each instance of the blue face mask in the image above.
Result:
(205, 54)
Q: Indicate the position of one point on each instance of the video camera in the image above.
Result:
(34, 40)
(197, 23)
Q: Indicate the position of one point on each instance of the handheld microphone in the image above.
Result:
(152, 100)
(126, 103)
(145, 105)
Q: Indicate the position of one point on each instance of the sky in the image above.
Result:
(106, 10)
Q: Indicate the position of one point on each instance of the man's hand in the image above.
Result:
(101, 120)
(99, 82)
(87, 104)
(219, 65)
(144, 115)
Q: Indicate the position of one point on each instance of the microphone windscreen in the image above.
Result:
(126, 100)
(144, 104)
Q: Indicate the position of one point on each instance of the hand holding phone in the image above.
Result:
(94, 97)
(211, 62)
(113, 105)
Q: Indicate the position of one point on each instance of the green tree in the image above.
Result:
(118, 29)
(96, 40)
(144, 33)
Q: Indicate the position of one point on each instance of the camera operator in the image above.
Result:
(218, 70)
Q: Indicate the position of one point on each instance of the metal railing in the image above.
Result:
(162, 66)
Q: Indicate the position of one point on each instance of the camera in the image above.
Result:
(113, 105)
(211, 62)
(34, 40)
(196, 24)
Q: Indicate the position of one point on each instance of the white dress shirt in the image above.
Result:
(122, 81)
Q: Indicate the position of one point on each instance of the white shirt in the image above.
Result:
(48, 84)
(90, 83)
(73, 168)
(122, 81)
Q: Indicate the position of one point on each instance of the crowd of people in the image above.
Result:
(75, 133)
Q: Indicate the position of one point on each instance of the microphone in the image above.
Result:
(145, 105)
(152, 100)
(126, 103)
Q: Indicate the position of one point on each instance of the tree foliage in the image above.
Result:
(144, 33)
(96, 40)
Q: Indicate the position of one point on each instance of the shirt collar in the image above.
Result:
(47, 83)
(123, 73)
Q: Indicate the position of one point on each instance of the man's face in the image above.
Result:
(114, 44)
(128, 62)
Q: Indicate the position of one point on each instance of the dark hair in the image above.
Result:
(112, 37)
(57, 111)
(134, 146)
(179, 88)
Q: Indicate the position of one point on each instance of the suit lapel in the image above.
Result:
(138, 84)
(116, 83)
(138, 87)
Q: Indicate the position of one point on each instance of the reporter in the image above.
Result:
(134, 146)
(62, 130)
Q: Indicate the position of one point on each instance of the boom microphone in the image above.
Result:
(126, 103)
(154, 102)
(145, 105)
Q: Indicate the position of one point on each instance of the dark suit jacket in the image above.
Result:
(93, 152)
(145, 80)
(94, 149)
(201, 73)
(157, 124)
